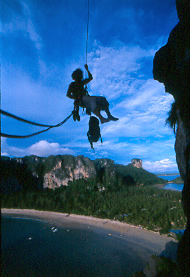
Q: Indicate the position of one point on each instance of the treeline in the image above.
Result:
(27, 172)
(146, 206)
(16, 177)
(178, 180)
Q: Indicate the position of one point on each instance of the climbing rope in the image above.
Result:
(30, 122)
(38, 124)
(87, 34)
(23, 120)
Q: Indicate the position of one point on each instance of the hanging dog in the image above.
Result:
(94, 131)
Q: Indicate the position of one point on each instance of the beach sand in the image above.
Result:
(83, 222)
(88, 246)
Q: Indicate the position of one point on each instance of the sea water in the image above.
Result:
(169, 177)
(172, 186)
(20, 244)
(33, 248)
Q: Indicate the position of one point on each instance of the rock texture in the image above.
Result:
(68, 168)
(136, 163)
(56, 171)
(180, 145)
(172, 67)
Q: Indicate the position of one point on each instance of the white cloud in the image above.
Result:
(137, 124)
(44, 148)
(23, 22)
(142, 94)
(33, 100)
(140, 103)
(120, 152)
(165, 165)
(121, 73)
(30, 29)
(41, 148)
(115, 70)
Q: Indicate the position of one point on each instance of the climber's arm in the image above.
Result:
(87, 80)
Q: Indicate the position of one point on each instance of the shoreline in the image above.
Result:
(74, 245)
(83, 222)
(82, 219)
(84, 243)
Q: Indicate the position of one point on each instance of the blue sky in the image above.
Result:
(43, 42)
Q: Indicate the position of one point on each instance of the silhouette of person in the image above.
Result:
(93, 104)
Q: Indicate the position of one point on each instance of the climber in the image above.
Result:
(79, 93)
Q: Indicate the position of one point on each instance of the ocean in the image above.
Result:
(35, 248)
(31, 247)
(172, 186)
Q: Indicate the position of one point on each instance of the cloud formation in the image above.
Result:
(41, 148)
(162, 166)
(115, 69)
(40, 51)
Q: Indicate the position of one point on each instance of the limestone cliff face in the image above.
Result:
(180, 145)
(51, 172)
(106, 171)
(172, 67)
(56, 171)
(68, 168)
(136, 163)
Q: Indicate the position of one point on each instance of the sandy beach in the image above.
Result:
(101, 246)
(83, 222)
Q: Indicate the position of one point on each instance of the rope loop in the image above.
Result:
(30, 122)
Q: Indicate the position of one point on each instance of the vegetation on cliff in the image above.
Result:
(178, 180)
(23, 173)
(149, 207)
(113, 191)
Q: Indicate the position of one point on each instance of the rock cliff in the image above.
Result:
(172, 67)
(137, 163)
(68, 168)
(56, 171)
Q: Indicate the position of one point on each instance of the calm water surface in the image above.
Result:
(172, 186)
(34, 248)
(169, 177)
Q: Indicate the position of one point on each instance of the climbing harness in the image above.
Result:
(94, 129)
(30, 122)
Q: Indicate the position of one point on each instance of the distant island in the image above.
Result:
(168, 174)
